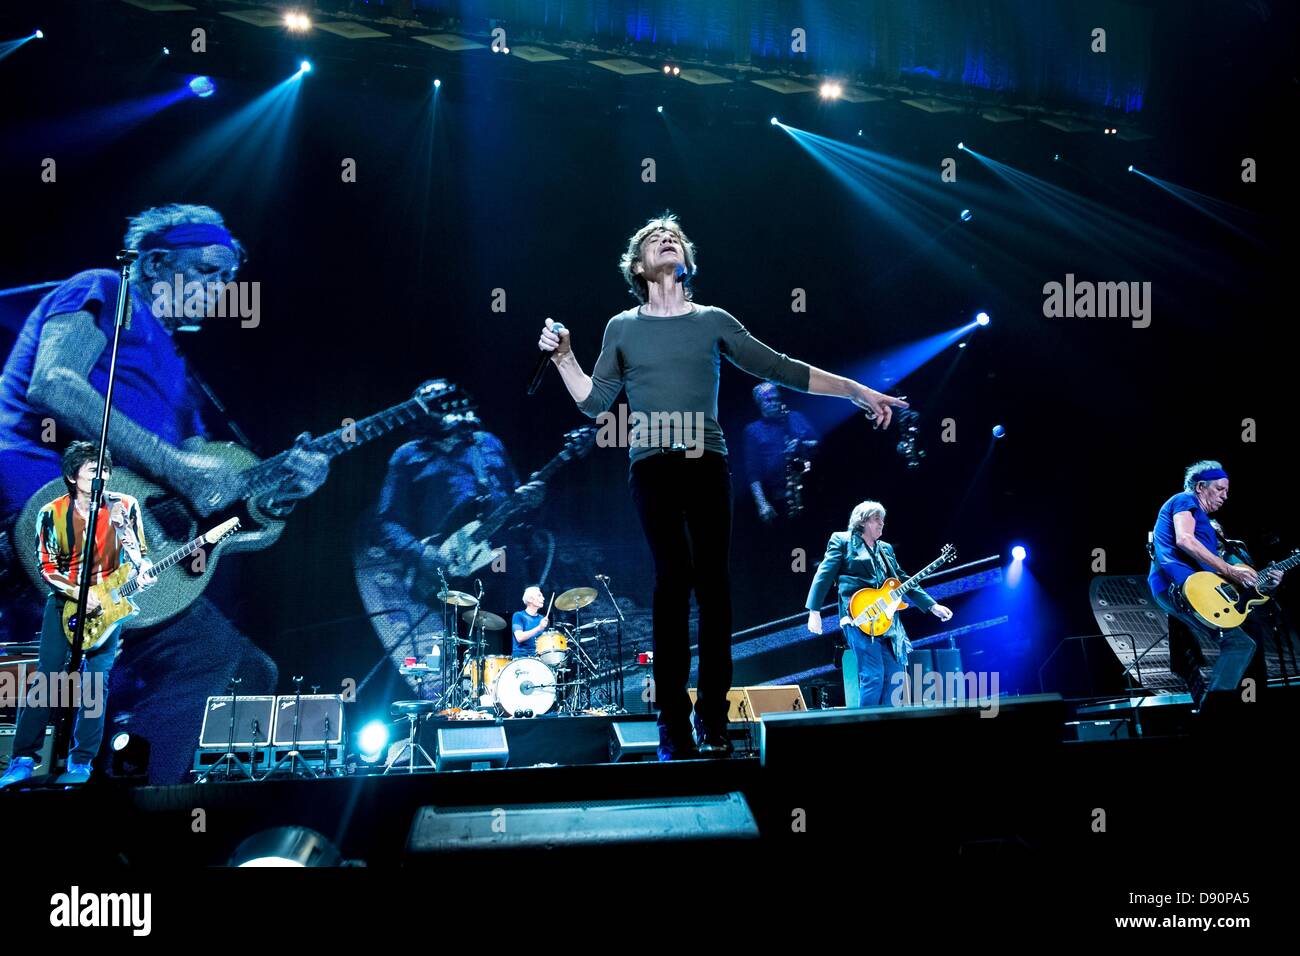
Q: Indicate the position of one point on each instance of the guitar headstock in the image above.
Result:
(223, 530)
(948, 554)
(579, 442)
(438, 396)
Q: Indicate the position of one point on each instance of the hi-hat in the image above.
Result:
(486, 620)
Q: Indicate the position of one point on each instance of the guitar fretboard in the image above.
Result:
(180, 554)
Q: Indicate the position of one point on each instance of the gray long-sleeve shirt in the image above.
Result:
(669, 366)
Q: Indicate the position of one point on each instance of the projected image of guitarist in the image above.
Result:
(1186, 571)
(865, 572)
(61, 535)
(55, 377)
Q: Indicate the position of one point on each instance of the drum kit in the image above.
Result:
(560, 677)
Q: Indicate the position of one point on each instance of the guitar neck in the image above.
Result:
(915, 579)
(1286, 564)
(177, 556)
(267, 475)
(508, 509)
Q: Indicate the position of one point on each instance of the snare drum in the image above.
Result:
(526, 685)
(492, 667)
(553, 647)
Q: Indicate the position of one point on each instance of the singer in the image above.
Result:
(665, 354)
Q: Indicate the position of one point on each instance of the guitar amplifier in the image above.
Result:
(253, 718)
(748, 704)
(320, 719)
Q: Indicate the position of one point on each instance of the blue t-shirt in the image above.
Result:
(523, 621)
(1172, 565)
(153, 389)
(765, 441)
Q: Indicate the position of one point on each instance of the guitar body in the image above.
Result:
(114, 611)
(168, 524)
(876, 607)
(1217, 601)
(466, 552)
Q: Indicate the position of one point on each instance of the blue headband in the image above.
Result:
(188, 235)
(1209, 474)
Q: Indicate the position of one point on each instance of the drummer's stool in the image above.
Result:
(413, 711)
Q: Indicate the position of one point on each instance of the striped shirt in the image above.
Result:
(61, 539)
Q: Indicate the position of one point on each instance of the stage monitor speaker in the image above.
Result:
(747, 704)
(633, 740)
(253, 717)
(320, 720)
(1019, 727)
(437, 832)
(7, 746)
(471, 746)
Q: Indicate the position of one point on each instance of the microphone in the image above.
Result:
(543, 361)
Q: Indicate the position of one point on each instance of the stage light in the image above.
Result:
(659, 109)
(982, 318)
(166, 52)
(297, 21)
(202, 87)
(120, 741)
(1056, 157)
(859, 132)
(961, 345)
(961, 145)
(437, 84)
(130, 756)
(505, 50)
(39, 34)
(831, 91)
(998, 431)
(1130, 169)
(667, 69)
(965, 215)
(774, 121)
(1019, 552)
(677, 71)
(304, 66)
(285, 846)
(373, 740)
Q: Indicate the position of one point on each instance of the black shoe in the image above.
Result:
(676, 746)
(715, 745)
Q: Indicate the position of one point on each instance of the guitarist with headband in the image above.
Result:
(856, 559)
(1184, 542)
(55, 377)
(61, 536)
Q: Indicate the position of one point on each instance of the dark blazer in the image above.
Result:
(849, 566)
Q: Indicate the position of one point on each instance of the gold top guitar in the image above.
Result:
(873, 609)
(1223, 604)
(169, 520)
(114, 592)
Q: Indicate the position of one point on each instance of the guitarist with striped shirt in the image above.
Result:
(61, 537)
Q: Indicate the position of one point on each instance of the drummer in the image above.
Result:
(528, 623)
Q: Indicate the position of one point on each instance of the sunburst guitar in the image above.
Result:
(873, 609)
(1221, 603)
(114, 592)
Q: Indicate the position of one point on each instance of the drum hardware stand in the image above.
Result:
(230, 757)
(414, 711)
(480, 651)
(617, 702)
(293, 756)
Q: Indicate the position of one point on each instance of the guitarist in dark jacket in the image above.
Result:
(55, 378)
(856, 559)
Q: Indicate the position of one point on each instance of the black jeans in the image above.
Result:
(685, 509)
(53, 660)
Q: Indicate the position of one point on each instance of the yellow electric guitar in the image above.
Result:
(114, 592)
(1221, 603)
(873, 609)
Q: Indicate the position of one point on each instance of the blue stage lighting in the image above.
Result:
(120, 741)
(1130, 169)
(437, 83)
(982, 318)
(166, 52)
(372, 740)
(1056, 157)
(304, 66)
(202, 87)
(998, 431)
(659, 109)
(774, 121)
(1019, 552)
(961, 145)
(961, 345)
(39, 34)
(859, 132)
(965, 215)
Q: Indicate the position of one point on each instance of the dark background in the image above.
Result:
(530, 182)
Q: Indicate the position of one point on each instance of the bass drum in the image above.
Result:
(526, 684)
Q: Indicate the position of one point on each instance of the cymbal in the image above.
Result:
(575, 598)
(486, 620)
(458, 598)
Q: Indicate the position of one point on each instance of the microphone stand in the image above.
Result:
(618, 670)
(67, 715)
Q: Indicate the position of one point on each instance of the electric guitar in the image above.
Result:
(873, 609)
(114, 592)
(468, 550)
(170, 520)
(1221, 603)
